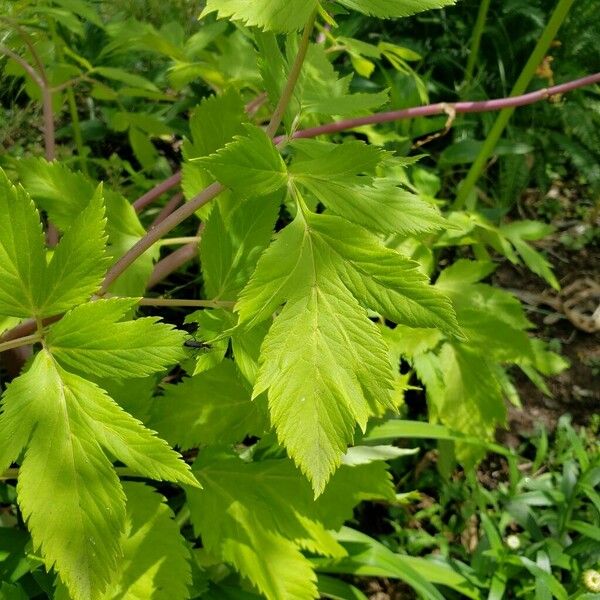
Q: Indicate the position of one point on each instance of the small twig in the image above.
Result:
(347, 124)
(293, 76)
(175, 302)
(18, 342)
(183, 516)
(178, 241)
(9, 474)
(37, 78)
(157, 191)
(168, 208)
(154, 234)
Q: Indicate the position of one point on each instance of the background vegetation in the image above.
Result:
(495, 459)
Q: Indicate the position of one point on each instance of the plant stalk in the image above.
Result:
(160, 230)
(478, 30)
(347, 124)
(174, 302)
(292, 80)
(21, 341)
(468, 184)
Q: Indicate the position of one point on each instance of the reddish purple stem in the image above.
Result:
(168, 208)
(441, 107)
(156, 192)
(397, 115)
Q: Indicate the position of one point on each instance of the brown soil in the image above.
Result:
(577, 390)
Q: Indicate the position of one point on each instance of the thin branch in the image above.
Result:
(178, 241)
(442, 107)
(154, 234)
(293, 76)
(30, 70)
(215, 189)
(178, 258)
(21, 341)
(157, 191)
(168, 208)
(9, 474)
(49, 137)
(171, 263)
(30, 46)
(174, 302)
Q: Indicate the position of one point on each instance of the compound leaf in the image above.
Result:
(214, 407)
(68, 491)
(282, 16)
(324, 363)
(278, 497)
(91, 339)
(340, 176)
(394, 8)
(155, 563)
(78, 263)
(250, 165)
(22, 260)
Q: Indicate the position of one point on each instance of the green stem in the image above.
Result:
(174, 302)
(476, 42)
(468, 184)
(76, 130)
(9, 474)
(183, 516)
(14, 473)
(58, 44)
(292, 79)
(22, 341)
(213, 190)
(177, 241)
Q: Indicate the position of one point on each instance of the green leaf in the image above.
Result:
(124, 230)
(78, 263)
(91, 339)
(127, 438)
(382, 279)
(368, 557)
(363, 455)
(330, 172)
(320, 90)
(326, 368)
(249, 165)
(464, 393)
(394, 8)
(155, 557)
(123, 76)
(492, 319)
(336, 589)
(214, 407)
(22, 259)
(68, 491)
(214, 123)
(279, 498)
(267, 555)
(57, 190)
(64, 194)
(282, 16)
(324, 363)
(231, 247)
(324, 161)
